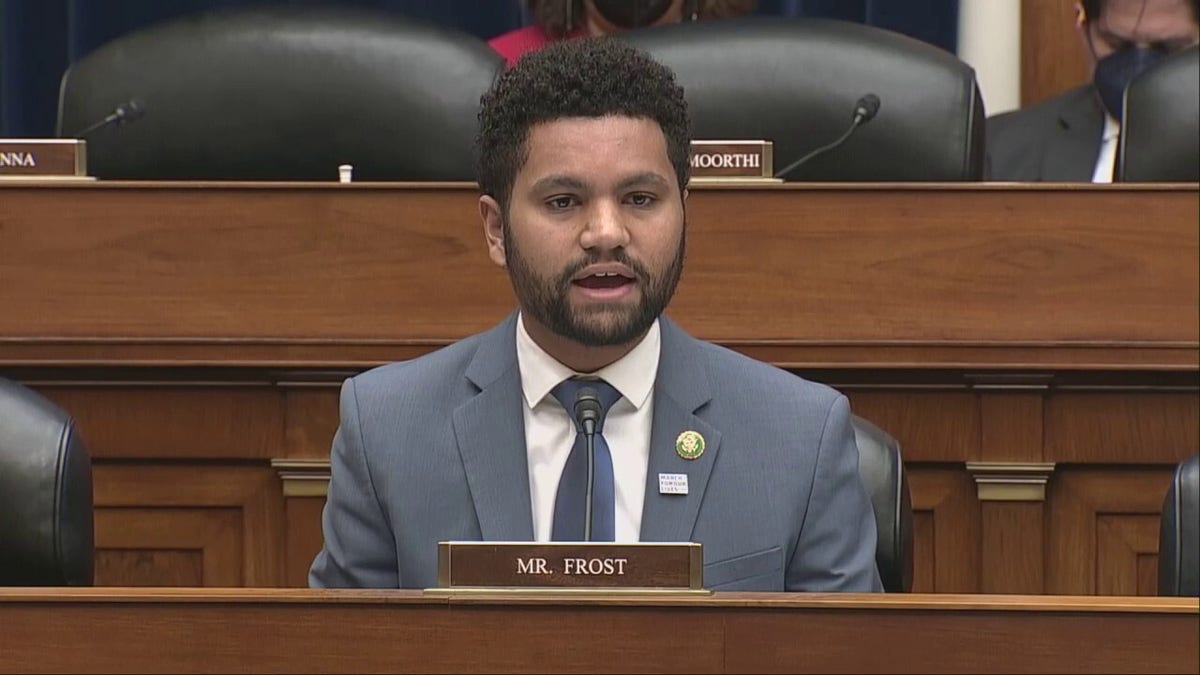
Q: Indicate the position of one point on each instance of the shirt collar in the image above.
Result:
(1112, 128)
(632, 375)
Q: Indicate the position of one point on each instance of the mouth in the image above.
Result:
(605, 285)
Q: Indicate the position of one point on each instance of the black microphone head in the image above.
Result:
(129, 111)
(587, 405)
(865, 108)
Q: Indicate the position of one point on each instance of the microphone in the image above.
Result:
(587, 414)
(865, 109)
(129, 111)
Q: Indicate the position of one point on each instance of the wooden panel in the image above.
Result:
(1053, 56)
(127, 421)
(304, 537)
(1013, 557)
(158, 567)
(1127, 555)
(182, 630)
(311, 420)
(946, 545)
(1011, 427)
(1122, 427)
(1090, 546)
(933, 426)
(194, 506)
(180, 263)
(139, 535)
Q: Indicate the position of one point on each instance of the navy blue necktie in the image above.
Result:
(572, 486)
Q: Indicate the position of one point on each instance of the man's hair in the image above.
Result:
(557, 19)
(1094, 9)
(594, 77)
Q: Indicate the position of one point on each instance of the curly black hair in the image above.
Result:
(592, 77)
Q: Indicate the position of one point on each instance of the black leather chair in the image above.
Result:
(286, 92)
(1161, 131)
(882, 471)
(1179, 539)
(45, 494)
(796, 81)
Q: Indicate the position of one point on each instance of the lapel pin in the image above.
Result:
(690, 445)
(672, 484)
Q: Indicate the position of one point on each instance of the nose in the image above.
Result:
(605, 227)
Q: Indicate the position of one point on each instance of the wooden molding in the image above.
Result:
(303, 477)
(1011, 481)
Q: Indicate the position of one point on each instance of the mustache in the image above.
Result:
(617, 256)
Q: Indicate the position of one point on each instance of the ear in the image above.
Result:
(493, 228)
(1082, 27)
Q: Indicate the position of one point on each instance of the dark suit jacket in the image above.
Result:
(1056, 141)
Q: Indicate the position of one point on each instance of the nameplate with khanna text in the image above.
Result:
(560, 565)
(43, 158)
(739, 161)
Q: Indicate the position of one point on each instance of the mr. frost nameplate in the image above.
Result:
(561, 565)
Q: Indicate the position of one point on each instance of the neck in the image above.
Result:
(577, 357)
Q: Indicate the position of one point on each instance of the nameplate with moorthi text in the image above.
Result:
(733, 161)
(43, 158)
(560, 565)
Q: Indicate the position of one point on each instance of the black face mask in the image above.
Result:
(632, 13)
(1115, 71)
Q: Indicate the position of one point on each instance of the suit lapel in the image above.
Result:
(681, 389)
(1074, 148)
(490, 432)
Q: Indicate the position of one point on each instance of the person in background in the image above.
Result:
(559, 19)
(1073, 137)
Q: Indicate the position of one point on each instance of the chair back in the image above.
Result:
(1161, 130)
(45, 494)
(882, 470)
(796, 81)
(286, 92)
(1179, 539)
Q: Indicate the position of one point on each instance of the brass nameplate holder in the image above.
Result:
(560, 567)
(736, 162)
(43, 159)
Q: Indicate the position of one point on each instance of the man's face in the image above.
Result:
(594, 234)
(1168, 25)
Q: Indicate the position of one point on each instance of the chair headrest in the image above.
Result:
(795, 82)
(284, 93)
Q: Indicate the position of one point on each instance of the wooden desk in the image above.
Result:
(199, 333)
(189, 630)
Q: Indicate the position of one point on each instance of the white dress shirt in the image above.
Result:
(550, 431)
(1106, 162)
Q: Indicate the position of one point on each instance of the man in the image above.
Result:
(1073, 137)
(583, 162)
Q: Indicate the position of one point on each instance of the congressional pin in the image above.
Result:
(672, 484)
(690, 445)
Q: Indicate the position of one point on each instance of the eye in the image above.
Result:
(641, 199)
(561, 202)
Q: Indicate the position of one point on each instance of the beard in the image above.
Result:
(547, 300)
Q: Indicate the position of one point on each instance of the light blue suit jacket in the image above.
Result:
(433, 450)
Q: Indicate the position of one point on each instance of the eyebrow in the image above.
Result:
(1111, 37)
(557, 182)
(647, 178)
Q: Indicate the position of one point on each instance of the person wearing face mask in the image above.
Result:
(1073, 137)
(562, 19)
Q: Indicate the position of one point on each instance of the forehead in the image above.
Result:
(1149, 17)
(596, 148)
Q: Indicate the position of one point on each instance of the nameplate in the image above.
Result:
(43, 157)
(738, 161)
(526, 565)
